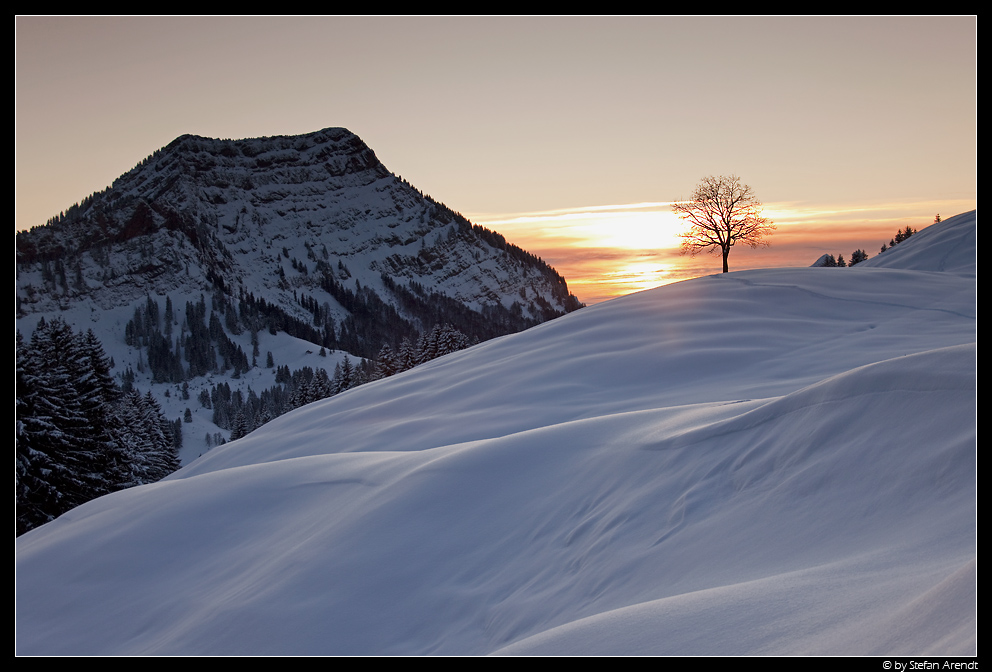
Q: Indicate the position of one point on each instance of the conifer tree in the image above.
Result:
(78, 435)
(385, 363)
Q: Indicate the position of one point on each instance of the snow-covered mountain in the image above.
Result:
(265, 216)
(776, 461)
(297, 243)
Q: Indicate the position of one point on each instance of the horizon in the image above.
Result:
(568, 135)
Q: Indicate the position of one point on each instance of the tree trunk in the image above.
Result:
(726, 253)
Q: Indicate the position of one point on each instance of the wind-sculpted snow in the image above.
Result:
(764, 462)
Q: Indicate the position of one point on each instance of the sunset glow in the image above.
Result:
(868, 125)
(609, 251)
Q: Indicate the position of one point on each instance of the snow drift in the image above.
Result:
(762, 462)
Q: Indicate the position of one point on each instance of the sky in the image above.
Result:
(569, 135)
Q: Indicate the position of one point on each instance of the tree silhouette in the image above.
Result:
(721, 213)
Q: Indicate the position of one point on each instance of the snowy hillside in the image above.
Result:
(762, 462)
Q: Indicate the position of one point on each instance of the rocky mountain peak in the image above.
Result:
(277, 217)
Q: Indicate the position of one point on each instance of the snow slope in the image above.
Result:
(763, 462)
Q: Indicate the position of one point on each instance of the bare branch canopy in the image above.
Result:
(721, 213)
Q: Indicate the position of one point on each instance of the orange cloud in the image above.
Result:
(612, 250)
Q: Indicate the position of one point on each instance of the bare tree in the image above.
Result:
(721, 213)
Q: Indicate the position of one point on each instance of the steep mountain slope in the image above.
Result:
(762, 462)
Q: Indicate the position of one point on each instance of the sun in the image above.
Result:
(638, 227)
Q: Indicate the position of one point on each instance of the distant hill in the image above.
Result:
(948, 246)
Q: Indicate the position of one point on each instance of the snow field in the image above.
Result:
(765, 462)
